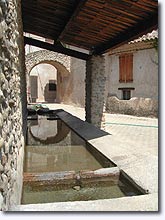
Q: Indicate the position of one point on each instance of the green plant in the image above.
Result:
(155, 43)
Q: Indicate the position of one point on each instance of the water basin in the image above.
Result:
(33, 194)
(60, 166)
(52, 147)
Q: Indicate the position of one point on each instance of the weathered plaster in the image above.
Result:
(145, 75)
(145, 107)
(78, 69)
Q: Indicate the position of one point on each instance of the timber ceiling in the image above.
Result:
(95, 25)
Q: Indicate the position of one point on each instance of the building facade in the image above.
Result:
(131, 73)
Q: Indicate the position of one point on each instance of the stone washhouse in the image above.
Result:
(95, 26)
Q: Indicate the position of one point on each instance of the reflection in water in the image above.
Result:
(58, 158)
(46, 131)
(53, 147)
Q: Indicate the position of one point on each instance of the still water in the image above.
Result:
(33, 195)
(52, 147)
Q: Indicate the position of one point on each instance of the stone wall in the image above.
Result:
(143, 107)
(95, 90)
(32, 59)
(12, 103)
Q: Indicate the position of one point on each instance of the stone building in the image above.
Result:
(134, 65)
(56, 23)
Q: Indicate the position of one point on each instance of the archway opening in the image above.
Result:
(57, 88)
(43, 84)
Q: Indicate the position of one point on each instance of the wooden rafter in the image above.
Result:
(97, 25)
(56, 48)
(75, 13)
(134, 32)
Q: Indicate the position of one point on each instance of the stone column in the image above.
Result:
(12, 103)
(95, 90)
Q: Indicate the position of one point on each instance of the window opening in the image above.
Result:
(52, 85)
(126, 94)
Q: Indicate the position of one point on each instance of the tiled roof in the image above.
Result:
(150, 36)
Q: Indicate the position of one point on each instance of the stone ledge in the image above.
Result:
(114, 149)
(134, 203)
(71, 178)
(110, 175)
(48, 179)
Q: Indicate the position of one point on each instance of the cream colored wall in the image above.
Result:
(145, 75)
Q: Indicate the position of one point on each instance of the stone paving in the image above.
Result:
(138, 132)
(133, 145)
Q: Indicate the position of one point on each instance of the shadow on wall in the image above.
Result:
(143, 107)
(49, 93)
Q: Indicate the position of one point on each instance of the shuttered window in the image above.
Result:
(126, 68)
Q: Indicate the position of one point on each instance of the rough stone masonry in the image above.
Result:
(12, 82)
(95, 90)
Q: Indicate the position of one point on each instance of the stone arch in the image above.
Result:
(61, 63)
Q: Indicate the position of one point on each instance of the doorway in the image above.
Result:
(43, 83)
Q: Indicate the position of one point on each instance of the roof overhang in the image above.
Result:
(94, 25)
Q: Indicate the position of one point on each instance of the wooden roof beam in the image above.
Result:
(74, 14)
(136, 31)
(56, 48)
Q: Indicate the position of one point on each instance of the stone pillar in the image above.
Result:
(95, 90)
(12, 97)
